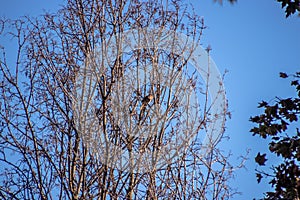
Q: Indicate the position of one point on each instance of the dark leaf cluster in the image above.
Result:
(221, 1)
(261, 159)
(276, 123)
(291, 6)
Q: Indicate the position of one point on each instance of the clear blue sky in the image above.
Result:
(254, 41)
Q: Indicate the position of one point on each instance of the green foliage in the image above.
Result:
(273, 124)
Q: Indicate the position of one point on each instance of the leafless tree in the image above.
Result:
(78, 99)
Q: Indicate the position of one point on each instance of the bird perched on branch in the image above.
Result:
(146, 100)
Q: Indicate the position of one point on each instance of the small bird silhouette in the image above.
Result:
(146, 100)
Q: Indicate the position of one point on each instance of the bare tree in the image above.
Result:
(107, 100)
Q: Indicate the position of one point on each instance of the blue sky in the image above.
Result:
(253, 41)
